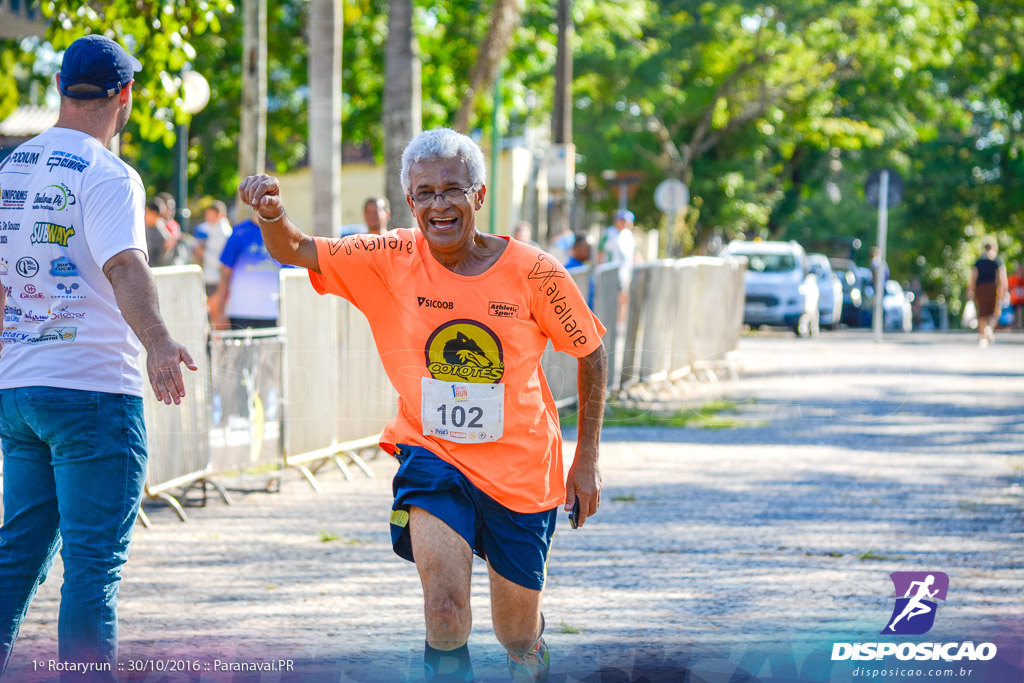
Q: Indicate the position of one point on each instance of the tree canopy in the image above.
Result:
(774, 113)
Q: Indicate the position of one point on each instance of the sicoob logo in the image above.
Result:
(423, 301)
(914, 613)
(465, 351)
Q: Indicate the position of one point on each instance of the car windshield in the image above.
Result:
(770, 263)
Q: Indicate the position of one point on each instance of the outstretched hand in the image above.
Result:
(162, 366)
(263, 193)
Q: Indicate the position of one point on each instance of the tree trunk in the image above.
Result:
(504, 21)
(561, 120)
(252, 143)
(402, 104)
(325, 21)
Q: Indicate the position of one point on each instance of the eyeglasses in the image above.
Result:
(450, 196)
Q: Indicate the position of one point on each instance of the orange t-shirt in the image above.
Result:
(1016, 284)
(490, 328)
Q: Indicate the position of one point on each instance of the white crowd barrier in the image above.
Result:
(322, 380)
(179, 435)
(684, 318)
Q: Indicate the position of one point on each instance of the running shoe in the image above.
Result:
(531, 667)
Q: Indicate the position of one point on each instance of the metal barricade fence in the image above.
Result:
(560, 368)
(318, 376)
(179, 435)
(685, 295)
(247, 398)
(367, 400)
(606, 308)
(684, 315)
(310, 364)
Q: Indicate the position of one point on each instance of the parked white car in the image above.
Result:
(830, 291)
(897, 309)
(780, 288)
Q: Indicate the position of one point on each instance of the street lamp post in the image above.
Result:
(196, 97)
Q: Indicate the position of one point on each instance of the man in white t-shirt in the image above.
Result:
(211, 236)
(76, 292)
(619, 246)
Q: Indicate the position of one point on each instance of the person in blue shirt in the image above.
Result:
(248, 293)
(579, 255)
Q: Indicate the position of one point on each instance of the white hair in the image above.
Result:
(444, 143)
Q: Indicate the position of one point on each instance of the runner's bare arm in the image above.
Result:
(135, 291)
(284, 240)
(584, 480)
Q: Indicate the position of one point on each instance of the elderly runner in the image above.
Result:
(461, 320)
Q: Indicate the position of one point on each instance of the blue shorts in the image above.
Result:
(516, 544)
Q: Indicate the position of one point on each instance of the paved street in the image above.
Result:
(849, 461)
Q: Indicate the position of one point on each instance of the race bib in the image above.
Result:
(462, 412)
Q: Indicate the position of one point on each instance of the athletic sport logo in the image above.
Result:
(464, 351)
(914, 612)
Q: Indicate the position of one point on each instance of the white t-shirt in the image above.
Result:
(215, 236)
(620, 248)
(67, 205)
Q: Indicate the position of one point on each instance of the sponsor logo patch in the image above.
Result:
(27, 266)
(22, 159)
(72, 162)
(13, 199)
(63, 267)
(500, 309)
(51, 233)
(54, 198)
(424, 302)
(464, 351)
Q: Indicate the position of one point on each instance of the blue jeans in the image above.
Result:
(74, 471)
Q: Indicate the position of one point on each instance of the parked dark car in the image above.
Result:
(853, 291)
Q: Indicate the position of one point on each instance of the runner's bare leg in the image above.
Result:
(445, 564)
(515, 611)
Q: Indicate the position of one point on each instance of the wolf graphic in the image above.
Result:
(464, 351)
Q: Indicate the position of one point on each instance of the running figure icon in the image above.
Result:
(916, 607)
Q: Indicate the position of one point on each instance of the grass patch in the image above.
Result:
(707, 415)
(328, 536)
(872, 555)
(566, 627)
(624, 498)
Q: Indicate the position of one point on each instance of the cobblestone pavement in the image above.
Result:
(851, 460)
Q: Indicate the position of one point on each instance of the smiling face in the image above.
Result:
(449, 226)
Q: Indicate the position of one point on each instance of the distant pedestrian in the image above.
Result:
(579, 257)
(619, 246)
(987, 288)
(71, 414)
(248, 292)
(561, 244)
(158, 237)
(377, 214)
(523, 232)
(579, 254)
(1016, 286)
(211, 236)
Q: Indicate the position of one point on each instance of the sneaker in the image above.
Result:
(531, 667)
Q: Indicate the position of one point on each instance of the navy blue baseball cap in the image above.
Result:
(96, 60)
